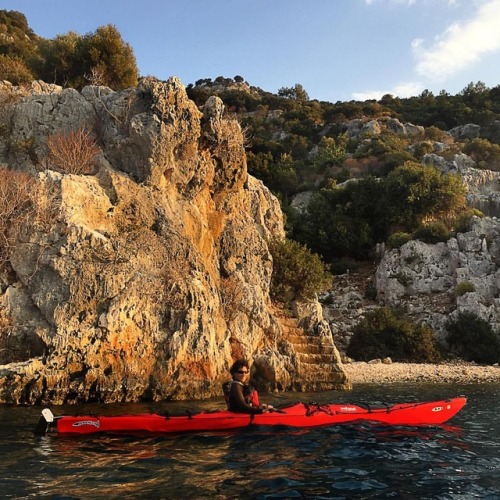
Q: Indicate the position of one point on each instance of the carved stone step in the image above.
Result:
(314, 349)
(305, 339)
(315, 358)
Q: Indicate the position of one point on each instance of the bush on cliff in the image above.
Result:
(297, 272)
(464, 287)
(472, 339)
(463, 220)
(72, 152)
(16, 191)
(416, 192)
(14, 70)
(383, 333)
(397, 240)
(433, 232)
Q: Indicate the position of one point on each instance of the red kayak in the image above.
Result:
(297, 415)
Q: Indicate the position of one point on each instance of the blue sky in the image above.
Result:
(337, 49)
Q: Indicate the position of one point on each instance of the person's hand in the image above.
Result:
(265, 408)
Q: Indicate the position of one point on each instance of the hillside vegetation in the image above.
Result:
(361, 163)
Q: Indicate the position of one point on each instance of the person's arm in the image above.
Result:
(237, 401)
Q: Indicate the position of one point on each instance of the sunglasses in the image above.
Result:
(241, 372)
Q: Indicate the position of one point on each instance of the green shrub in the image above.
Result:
(297, 272)
(403, 278)
(423, 148)
(462, 223)
(397, 240)
(483, 151)
(14, 70)
(464, 287)
(435, 134)
(395, 159)
(472, 339)
(382, 333)
(433, 232)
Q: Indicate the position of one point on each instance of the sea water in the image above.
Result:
(458, 460)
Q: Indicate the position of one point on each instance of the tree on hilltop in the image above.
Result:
(106, 52)
(18, 47)
(61, 60)
(297, 92)
(70, 60)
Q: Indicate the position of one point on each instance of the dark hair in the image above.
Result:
(238, 365)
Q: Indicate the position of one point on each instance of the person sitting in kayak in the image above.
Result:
(240, 396)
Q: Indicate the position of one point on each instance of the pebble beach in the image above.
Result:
(360, 372)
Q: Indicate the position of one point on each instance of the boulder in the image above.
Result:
(467, 131)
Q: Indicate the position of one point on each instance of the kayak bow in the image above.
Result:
(296, 415)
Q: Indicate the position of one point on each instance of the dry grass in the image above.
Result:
(72, 152)
(16, 207)
(47, 205)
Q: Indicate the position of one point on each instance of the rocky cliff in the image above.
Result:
(423, 278)
(146, 277)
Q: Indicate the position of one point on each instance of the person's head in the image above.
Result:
(239, 369)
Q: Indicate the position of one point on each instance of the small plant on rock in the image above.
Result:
(397, 240)
(72, 152)
(433, 232)
(462, 223)
(16, 207)
(464, 287)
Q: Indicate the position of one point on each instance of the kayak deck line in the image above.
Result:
(295, 415)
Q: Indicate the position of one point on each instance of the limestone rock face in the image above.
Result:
(467, 131)
(359, 126)
(148, 278)
(423, 278)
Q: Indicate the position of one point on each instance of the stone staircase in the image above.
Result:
(318, 362)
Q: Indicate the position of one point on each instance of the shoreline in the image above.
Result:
(361, 372)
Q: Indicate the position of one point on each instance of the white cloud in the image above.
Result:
(402, 90)
(461, 44)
